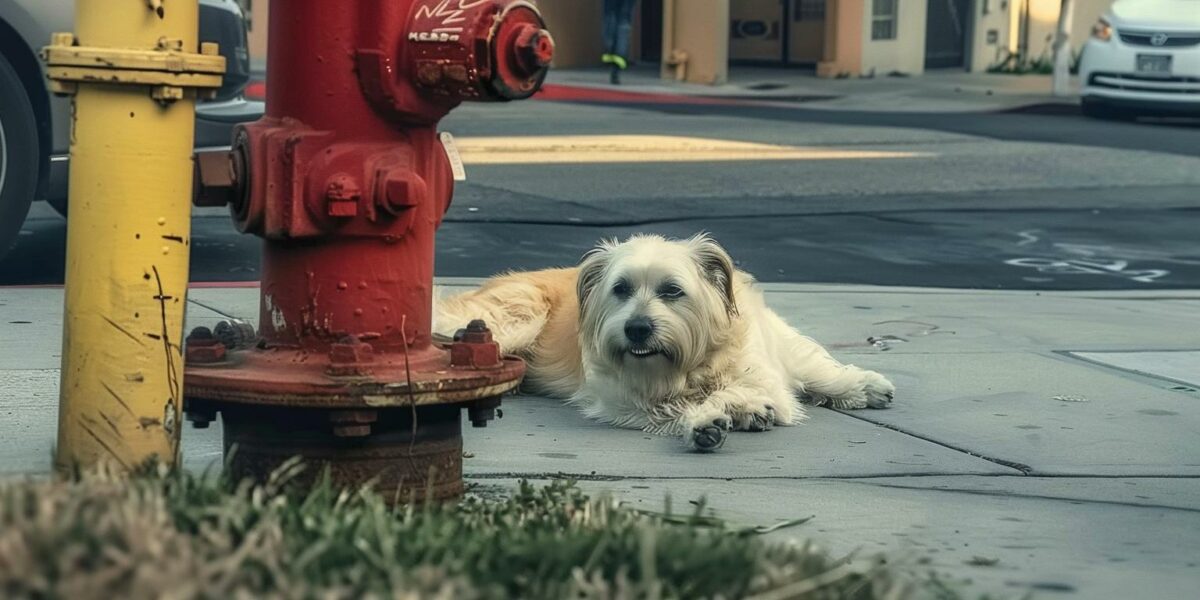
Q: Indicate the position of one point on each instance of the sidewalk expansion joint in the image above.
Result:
(855, 479)
(1023, 468)
(1007, 494)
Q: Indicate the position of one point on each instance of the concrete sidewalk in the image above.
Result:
(934, 91)
(1044, 442)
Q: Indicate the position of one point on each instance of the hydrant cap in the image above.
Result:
(536, 47)
(521, 53)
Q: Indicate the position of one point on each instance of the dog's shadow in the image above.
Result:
(541, 437)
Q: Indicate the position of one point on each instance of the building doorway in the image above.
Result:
(946, 23)
(806, 32)
(777, 32)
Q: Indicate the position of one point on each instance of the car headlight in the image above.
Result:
(1102, 30)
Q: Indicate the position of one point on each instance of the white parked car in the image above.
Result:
(1143, 57)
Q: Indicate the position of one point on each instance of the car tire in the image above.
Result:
(19, 155)
(1093, 109)
(1097, 109)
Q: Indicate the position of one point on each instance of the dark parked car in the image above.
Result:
(34, 125)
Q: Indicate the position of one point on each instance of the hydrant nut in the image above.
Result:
(343, 195)
(215, 179)
(398, 190)
(350, 356)
(534, 48)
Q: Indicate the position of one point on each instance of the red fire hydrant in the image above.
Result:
(346, 179)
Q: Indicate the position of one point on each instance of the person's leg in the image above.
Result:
(624, 27)
(608, 28)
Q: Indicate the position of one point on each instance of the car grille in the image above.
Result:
(1142, 83)
(1172, 40)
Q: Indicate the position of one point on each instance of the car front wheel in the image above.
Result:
(19, 154)
(1097, 109)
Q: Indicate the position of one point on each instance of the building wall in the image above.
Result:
(575, 25)
(699, 28)
(1009, 20)
(906, 53)
(258, 33)
(991, 38)
(842, 54)
(1086, 14)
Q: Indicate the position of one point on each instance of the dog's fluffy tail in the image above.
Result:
(514, 308)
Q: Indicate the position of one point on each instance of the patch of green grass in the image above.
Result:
(170, 534)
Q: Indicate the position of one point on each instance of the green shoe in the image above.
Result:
(619, 60)
(608, 58)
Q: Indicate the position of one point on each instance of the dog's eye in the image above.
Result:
(670, 291)
(621, 289)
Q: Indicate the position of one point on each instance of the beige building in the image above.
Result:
(698, 39)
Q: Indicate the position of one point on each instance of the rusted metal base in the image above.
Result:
(289, 377)
(390, 418)
(405, 462)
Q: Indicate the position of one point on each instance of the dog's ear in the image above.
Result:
(591, 269)
(717, 267)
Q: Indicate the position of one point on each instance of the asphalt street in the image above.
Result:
(983, 200)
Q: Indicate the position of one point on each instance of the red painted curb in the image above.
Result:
(257, 90)
(573, 93)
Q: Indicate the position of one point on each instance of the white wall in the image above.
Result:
(984, 54)
(906, 53)
(1005, 18)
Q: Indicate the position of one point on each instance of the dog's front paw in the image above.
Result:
(762, 420)
(868, 390)
(708, 437)
(878, 391)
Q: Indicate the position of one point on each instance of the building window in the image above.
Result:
(808, 10)
(883, 19)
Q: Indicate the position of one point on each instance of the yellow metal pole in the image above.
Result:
(129, 231)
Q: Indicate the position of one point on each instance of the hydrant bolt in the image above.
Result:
(343, 195)
(483, 411)
(352, 423)
(350, 356)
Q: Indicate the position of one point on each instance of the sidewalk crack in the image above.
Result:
(1023, 468)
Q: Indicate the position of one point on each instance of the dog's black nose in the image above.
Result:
(638, 329)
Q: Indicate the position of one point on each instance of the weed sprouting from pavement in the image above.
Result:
(172, 534)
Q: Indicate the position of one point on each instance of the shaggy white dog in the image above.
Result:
(665, 336)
